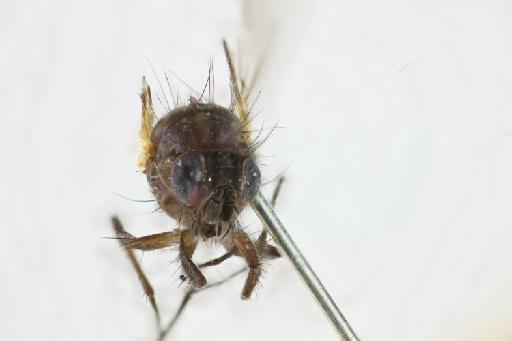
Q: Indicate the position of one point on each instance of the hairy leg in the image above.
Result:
(246, 249)
(149, 242)
(186, 298)
(216, 261)
(263, 248)
(123, 237)
(188, 245)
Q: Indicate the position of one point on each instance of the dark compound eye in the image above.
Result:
(187, 174)
(251, 180)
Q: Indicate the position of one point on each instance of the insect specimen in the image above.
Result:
(200, 164)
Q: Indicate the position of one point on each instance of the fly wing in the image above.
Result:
(239, 93)
(147, 147)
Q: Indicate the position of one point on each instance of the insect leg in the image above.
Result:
(277, 190)
(149, 242)
(247, 250)
(216, 261)
(148, 289)
(266, 250)
(187, 247)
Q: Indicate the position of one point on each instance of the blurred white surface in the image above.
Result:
(398, 132)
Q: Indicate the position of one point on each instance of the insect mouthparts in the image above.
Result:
(220, 206)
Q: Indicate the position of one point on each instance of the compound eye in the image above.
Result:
(251, 179)
(187, 175)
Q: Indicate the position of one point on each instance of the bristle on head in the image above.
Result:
(147, 147)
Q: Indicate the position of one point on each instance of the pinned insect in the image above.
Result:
(200, 164)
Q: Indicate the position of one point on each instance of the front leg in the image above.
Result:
(188, 245)
(246, 249)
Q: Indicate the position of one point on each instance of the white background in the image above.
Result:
(396, 140)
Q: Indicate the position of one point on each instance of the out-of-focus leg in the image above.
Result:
(123, 237)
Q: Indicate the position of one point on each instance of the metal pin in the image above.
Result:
(283, 239)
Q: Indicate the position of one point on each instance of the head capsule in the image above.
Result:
(217, 184)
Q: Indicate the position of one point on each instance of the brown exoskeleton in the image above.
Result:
(200, 164)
